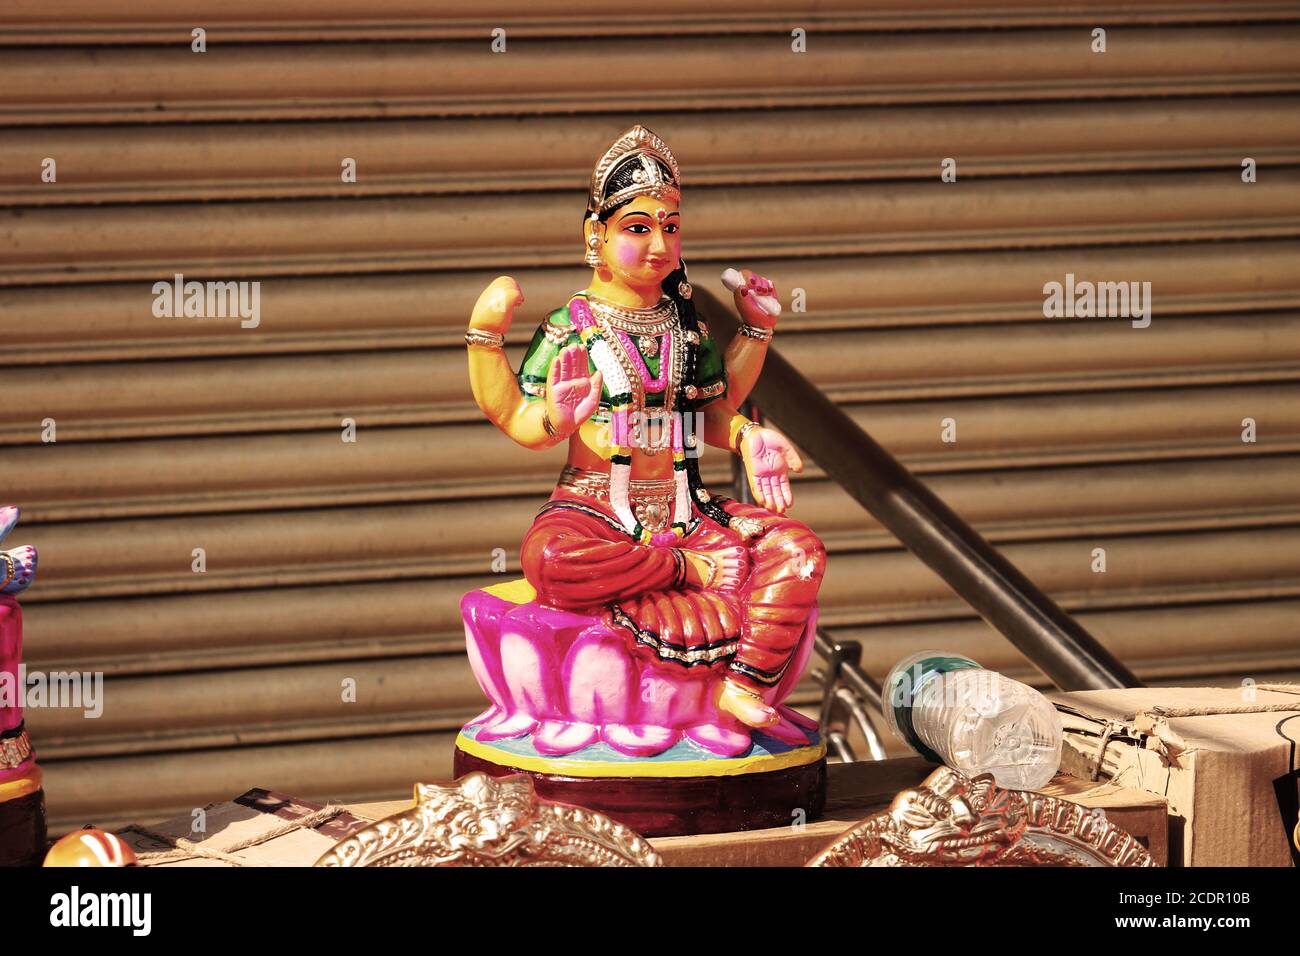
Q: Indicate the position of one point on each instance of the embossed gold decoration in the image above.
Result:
(556, 334)
(651, 320)
(653, 515)
(744, 430)
(651, 498)
(953, 820)
(486, 821)
(648, 180)
(592, 255)
(485, 339)
(15, 750)
(746, 527)
(548, 425)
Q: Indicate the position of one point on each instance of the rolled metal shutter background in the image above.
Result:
(329, 560)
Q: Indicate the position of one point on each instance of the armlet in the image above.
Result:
(552, 334)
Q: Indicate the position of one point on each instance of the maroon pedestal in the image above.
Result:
(22, 830)
(681, 806)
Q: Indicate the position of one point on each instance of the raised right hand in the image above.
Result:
(496, 306)
(571, 396)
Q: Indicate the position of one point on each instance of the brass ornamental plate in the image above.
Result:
(486, 821)
(953, 820)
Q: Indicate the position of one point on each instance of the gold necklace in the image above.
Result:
(648, 321)
(675, 362)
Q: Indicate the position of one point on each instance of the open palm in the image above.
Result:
(769, 458)
(571, 395)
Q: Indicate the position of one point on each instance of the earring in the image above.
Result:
(684, 288)
(593, 243)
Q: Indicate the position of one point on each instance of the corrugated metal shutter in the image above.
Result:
(329, 560)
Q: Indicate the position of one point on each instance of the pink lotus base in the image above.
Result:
(570, 681)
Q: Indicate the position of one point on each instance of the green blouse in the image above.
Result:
(558, 332)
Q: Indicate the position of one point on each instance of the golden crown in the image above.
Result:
(648, 180)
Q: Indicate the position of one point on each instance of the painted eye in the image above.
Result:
(639, 228)
(671, 228)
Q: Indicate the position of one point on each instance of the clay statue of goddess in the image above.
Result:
(698, 585)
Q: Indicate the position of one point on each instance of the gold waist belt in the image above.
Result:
(651, 498)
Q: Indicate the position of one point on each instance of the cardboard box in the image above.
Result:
(1224, 758)
(259, 828)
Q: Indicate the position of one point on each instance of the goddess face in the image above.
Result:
(641, 241)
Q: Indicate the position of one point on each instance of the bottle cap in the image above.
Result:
(904, 682)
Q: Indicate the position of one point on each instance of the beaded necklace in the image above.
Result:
(615, 322)
(627, 388)
(648, 384)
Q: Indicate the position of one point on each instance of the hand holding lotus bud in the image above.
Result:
(755, 297)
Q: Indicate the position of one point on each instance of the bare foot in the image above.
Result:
(723, 569)
(745, 705)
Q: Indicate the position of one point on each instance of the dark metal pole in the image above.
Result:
(1071, 657)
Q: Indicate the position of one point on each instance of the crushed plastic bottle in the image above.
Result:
(974, 720)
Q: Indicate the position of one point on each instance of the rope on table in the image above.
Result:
(183, 849)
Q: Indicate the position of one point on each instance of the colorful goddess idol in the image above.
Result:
(659, 626)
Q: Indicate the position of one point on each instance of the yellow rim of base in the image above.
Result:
(21, 786)
(722, 767)
(518, 591)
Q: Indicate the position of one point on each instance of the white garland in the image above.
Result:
(620, 476)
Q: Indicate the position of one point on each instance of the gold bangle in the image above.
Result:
(756, 332)
(740, 435)
(546, 423)
(679, 568)
(485, 339)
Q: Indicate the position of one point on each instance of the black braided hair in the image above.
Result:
(687, 407)
(622, 177)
